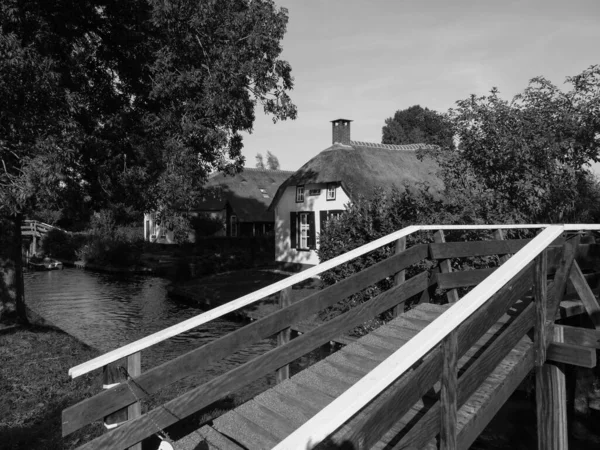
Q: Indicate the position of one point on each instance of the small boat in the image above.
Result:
(45, 264)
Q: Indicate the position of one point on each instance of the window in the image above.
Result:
(313, 192)
(264, 192)
(299, 194)
(302, 230)
(233, 232)
(325, 216)
(331, 192)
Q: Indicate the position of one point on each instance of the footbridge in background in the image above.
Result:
(431, 377)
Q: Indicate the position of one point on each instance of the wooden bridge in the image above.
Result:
(433, 376)
(35, 230)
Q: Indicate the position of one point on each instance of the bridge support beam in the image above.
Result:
(551, 406)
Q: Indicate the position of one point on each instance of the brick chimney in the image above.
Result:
(340, 129)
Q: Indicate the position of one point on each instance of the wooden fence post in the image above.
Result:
(283, 337)
(540, 294)
(551, 403)
(400, 277)
(446, 266)
(499, 235)
(134, 369)
(112, 376)
(448, 393)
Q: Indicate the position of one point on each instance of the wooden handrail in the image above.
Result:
(248, 299)
(330, 418)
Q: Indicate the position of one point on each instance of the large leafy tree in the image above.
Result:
(533, 152)
(417, 125)
(129, 102)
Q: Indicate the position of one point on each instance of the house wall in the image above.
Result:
(287, 204)
(162, 235)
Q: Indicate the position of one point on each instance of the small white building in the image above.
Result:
(323, 187)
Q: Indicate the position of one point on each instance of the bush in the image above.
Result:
(58, 244)
(205, 225)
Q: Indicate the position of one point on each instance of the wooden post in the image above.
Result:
(112, 376)
(499, 235)
(540, 293)
(134, 369)
(400, 277)
(551, 404)
(448, 405)
(446, 267)
(283, 337)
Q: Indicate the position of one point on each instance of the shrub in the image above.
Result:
(59, 244)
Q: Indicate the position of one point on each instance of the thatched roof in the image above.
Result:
(243, 193)
(361, 167)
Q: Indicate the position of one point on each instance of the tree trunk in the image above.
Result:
(12, 290)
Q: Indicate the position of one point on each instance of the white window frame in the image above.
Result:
(303, 231)
(331, 191)
(299, 194)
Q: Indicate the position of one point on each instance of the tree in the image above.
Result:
(260, 162)
(132, 102)
(272, 161)
(416, 125)
(533, 152)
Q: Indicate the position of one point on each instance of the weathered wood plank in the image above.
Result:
(244, 431)
(585, 294)
(209, 436)
(283, 337)
(575, 355)
(266, 419)
(476, 248)
(566, 258)
(499, 236)
(400, 277)
(463, 279)
(540, 287)
(201, 396)
(153, 380)
(448, 393)
(134, 369)
(580, 336)
(551, 405)
(445, 267)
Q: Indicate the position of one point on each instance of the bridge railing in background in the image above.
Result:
(453, 331)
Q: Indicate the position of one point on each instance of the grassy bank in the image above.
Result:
(35, 388)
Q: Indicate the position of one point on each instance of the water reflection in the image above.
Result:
(107, 311)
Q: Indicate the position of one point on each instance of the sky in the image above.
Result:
(364, 60)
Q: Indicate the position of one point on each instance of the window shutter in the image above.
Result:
(311, 231)
(322, 219)
(293, 232)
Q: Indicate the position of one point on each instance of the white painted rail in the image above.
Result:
(334, 415)
(248, 299)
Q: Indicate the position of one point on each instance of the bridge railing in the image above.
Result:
(432, 355)
(127, 394)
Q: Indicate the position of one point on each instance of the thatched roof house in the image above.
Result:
(337, 175)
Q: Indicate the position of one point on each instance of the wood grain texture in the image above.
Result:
(201, 396)
(448, 394)
(134, 369)
(585, 294)
(575, 355)
(463, 279)
(540, 294)
(153, 380)
(400, 277)
(283, 337)
(440, 250)
(499, 236)
(551, 405)
(445, 266)
(580, 336)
